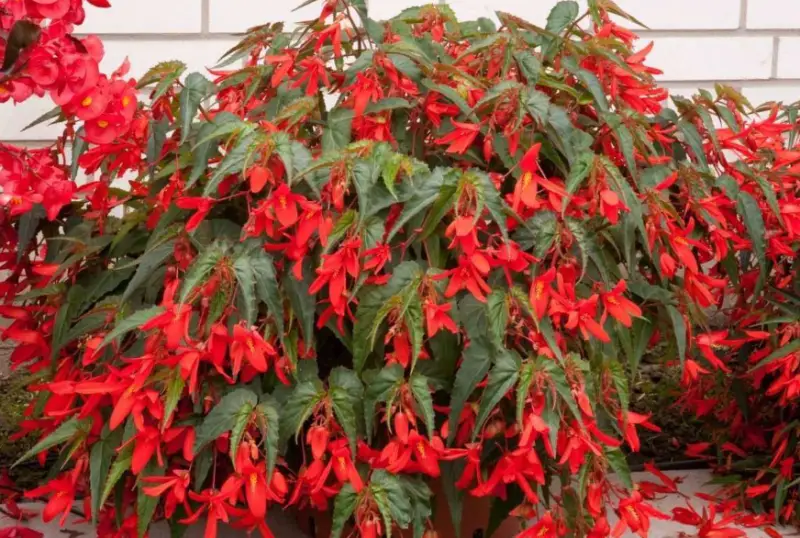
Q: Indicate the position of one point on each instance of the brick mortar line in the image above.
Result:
(644, 34)
(720, 32)
(205, 16)
(776, 48)
(743, 15)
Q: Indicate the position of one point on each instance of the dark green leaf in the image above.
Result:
(233, 162)
(28, 227)
(529, 66)
(303, 303)
(305, 396)
(147, 264)
(134, 321)
(174, 392)
(473, 370)
(679, 329)
(497, 316)
(695, 142)
(347, 394)
(337, 135)
(65, 432)
(268, 420)
(376, 304)
(561, 16)
(224, 415)
(616, 460)
(343, 507)
(578, 172)
(380, 388)
(202, 266)
(146, 504)
(392, 500)
(421, 390)
(100, 463)
(502, 378)
(196, 89)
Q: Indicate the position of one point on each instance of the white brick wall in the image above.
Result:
(754, 45)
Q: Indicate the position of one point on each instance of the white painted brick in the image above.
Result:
(685, 14)
(14, 118)
(534, 11)
(788, 54)
(197, 54)
(765, 14)
(712, 58)
(139, 17)
(239, 15)
(386, 9)
(672, 15)
(761, 94)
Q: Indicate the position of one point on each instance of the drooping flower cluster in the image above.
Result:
(451, 275)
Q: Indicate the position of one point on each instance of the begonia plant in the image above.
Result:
(361, 261)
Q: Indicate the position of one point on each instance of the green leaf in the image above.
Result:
(538, 106)
(246, 289)
(620, 383)
(616, 460)
(578, 172)
(305, 396)
(100, 463)
(529, 66)
(343, 507)
(202, 266)
(473, 370)
(304, 304)
(559, 379)
(337, 134)
(421, 390)
(174, 392)
(65, 432)
(196, 89)
(376, 304)
(624, 139)
(268, 420)
(267, 289)
(424, 195)
(380, 388)
(420, 496)
(502, 378)
(679, 329)
(523, 388)
(392, 500)
(224, 416)
(234, 161)
(489, 196)
(754, 222)
(347, 394)
(121, 464)
(28, 227)
(538, 233)
(780, 497)
(779, 353)
(561, 16)
(147, 264)
(695, 142)
(132, 322)
(145, 504)
(497, 316)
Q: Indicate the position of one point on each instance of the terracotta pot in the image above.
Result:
(474, 518)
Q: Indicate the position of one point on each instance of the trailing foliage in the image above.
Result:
(365, 256)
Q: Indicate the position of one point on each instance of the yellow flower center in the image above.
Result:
(86, 102)
(102, 124)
